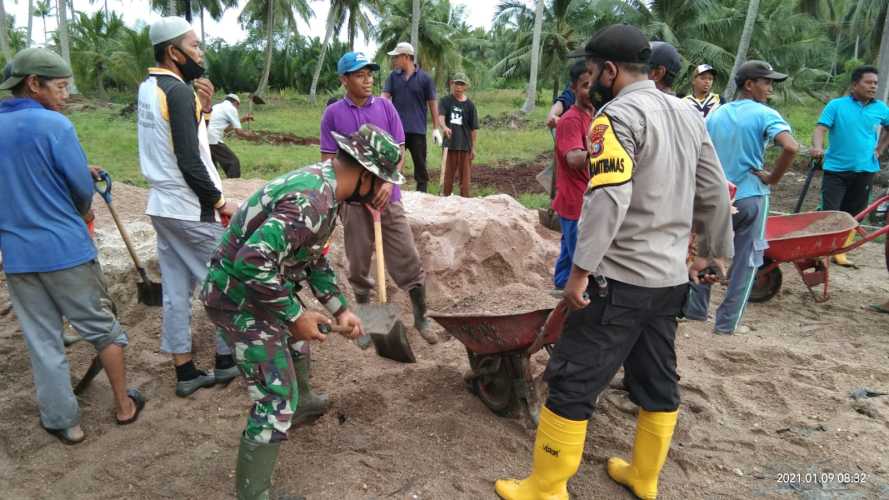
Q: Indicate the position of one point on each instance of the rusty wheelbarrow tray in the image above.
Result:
(499, 349)
(809, 251)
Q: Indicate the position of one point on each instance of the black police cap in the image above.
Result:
(617, 43)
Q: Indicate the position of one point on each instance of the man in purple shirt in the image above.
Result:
(411, 90)
(346, 116)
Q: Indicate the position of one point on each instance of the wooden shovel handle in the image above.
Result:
(381, 261)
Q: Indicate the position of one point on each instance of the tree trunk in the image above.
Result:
(328, 33)
(353, 27)
(264, 82)
(556, 86)
(530, 101)
(4, 36)
(45, 39)
(171, 7)
(741, 56)
(63, 40)
(415, 28)
(883, 89)
(30, 22)
(203, 35)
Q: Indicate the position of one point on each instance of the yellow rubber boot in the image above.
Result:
(557, 452)
(840, 258)
(654, 430)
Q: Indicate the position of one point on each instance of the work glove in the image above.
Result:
(436, 137)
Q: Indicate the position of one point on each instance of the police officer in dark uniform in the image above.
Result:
(655, 174)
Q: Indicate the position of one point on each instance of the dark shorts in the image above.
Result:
(226, 159)
(631, 326)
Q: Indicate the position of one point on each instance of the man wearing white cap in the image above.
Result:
(225, 115)
(185, 201)
(412, 91)
(701, 97)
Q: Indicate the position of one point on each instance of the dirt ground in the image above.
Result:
(277, 138)
(758, 409)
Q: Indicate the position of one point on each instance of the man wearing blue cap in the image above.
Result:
(360, 106)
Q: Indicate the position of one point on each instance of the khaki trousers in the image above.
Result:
(400, 252)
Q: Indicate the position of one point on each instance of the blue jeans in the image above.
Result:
(749, 225)
(566, 253)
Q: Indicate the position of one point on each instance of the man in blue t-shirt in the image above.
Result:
(412, 91)
(740, 130)
(854, 122)
(48, 256)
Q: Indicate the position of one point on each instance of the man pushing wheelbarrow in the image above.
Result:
(649, 182)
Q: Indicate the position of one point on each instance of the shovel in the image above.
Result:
(380, 320)
(149, 292)
(813, 166)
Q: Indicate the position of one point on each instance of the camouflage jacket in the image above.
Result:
(277, 238)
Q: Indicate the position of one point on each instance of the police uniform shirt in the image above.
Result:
(654, 174)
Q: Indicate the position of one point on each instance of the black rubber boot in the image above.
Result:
(421, 323)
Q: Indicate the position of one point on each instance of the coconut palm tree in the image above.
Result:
(43, 9)
(4, 36)
(415, 26)
(273, 15)
(62, 11)
(535, 59)
(30, 21)
(743, 45)
(438, 25)
(132, 54)
(883, 90)
(94, 39)
(357, 12)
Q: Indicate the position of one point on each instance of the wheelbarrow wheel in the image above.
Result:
(492, 381)
(767, 283)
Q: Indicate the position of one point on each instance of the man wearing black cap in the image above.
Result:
(740, 131)
(701, 98)
(664, 65)
(654, 175)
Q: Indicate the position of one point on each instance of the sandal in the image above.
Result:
(139, 401)
(878, 308)
(63, 436)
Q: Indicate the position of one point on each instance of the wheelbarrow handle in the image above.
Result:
(104, 193)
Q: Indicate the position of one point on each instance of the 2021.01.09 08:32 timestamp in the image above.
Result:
(821, 477)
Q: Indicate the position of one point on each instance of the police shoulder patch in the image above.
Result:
(610, 164)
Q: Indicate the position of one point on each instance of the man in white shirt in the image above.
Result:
(225, 115)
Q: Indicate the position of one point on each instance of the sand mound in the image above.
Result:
(468, 246)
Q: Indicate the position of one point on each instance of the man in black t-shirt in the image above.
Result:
(459, 121)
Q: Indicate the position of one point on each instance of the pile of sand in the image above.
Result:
(469, 246)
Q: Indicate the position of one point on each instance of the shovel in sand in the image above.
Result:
(381, 322)
(149, 292)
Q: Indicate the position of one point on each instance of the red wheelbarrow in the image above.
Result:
(499, 349)
(798, 239)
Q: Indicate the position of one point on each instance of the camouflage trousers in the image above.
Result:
(264, 354)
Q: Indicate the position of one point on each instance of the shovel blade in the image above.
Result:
(387, 332)
(150, 294)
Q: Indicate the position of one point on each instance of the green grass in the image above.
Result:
(110, 139)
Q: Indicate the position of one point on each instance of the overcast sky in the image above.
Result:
(479, 13)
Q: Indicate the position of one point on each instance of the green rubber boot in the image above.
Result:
(311, 404)
(253, 475)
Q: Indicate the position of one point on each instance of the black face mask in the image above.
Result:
(600, 95)
(190, 70)
(367, 198)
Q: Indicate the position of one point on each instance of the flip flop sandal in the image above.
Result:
(878, 308)
(62, 435)
(139, 401)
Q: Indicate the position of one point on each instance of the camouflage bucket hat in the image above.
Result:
(375, 150)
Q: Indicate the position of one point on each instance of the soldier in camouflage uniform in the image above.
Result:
(276, 239)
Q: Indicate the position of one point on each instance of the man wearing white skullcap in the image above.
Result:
(185, 201)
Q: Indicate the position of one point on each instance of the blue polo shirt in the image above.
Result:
(740, 131)
(411, 98)
(45, 185)
(854, 129)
